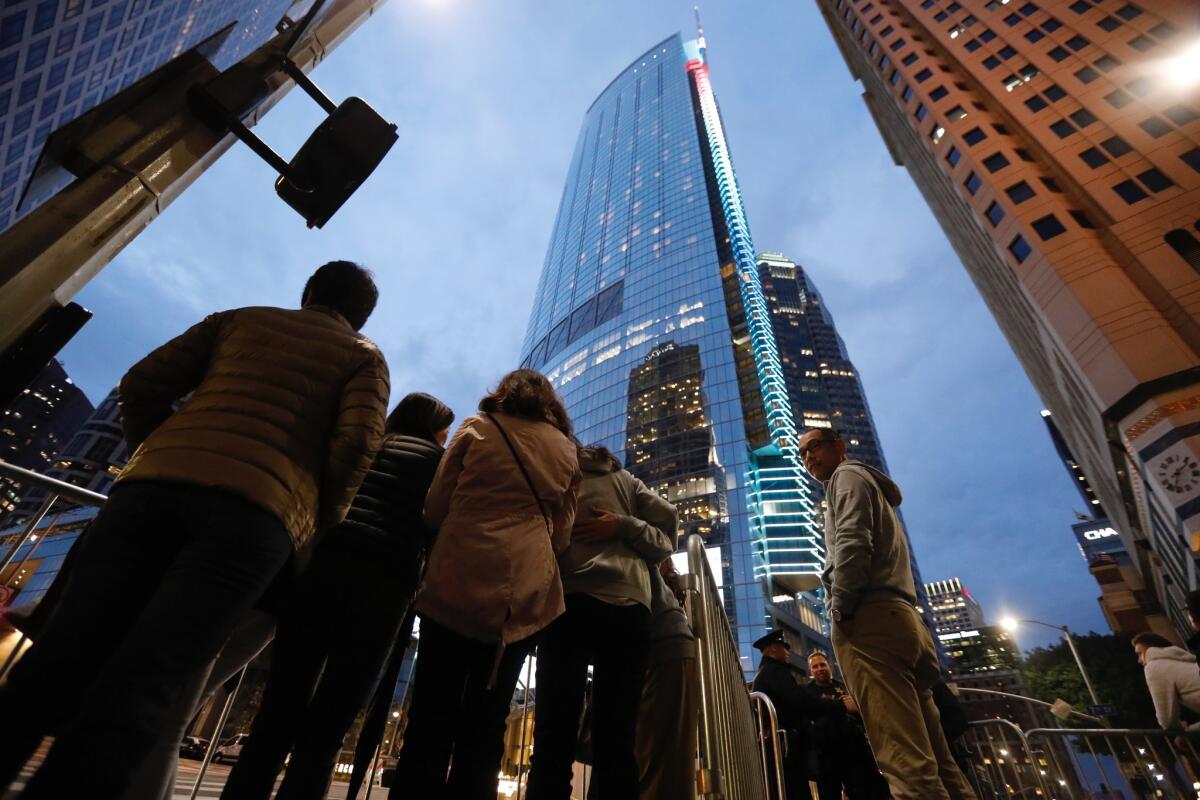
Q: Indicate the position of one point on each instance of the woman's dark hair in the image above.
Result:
(596, 452)
(421, 415)
(527, 393)
(345, 287)
(1151, 640)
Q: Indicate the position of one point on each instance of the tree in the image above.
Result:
(1051, 673)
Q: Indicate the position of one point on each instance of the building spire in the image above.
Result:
(700, 36)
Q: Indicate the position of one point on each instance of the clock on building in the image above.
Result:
(1179, 473)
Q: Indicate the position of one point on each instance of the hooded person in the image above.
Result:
(1172, 678)
(885, 650)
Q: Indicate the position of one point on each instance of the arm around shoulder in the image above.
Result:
(652, 528)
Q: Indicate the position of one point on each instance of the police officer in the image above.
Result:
(796, 707)
(844, 757)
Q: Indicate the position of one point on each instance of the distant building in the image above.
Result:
(36, 426)
(92, 458)
(1129, 606)
(952, 606)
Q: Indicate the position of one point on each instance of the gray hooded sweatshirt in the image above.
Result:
(1174, 681)
(618, 571)
(866, 549)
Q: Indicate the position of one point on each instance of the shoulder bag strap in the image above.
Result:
(521, 465)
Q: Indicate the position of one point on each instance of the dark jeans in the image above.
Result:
(615, 641)
(455, 714)
(330, 648)
(166, 573)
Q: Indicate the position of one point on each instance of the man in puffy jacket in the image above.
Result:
(1171, 677)
(284, 411)
(883, 647)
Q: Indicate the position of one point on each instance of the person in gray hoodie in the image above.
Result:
(1171, 677)
(883, 647)
(622, 531)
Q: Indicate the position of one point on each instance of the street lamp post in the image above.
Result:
(1011, 625)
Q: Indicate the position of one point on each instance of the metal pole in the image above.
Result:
(212, 745)
(1079, 661)
(33, 523)
(374, 765)
(33, 547)
(524, 726)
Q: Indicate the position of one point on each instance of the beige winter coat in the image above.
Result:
(493, 570)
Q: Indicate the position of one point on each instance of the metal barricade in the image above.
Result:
(731, 765)
(58, 490)
(1119, 762)
(771, 745)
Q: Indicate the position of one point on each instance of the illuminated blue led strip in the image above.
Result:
(781, 503)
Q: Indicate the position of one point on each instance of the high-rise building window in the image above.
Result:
(1155, 126)
(1109, 24)
(1154, 180)
(1086, 75)
(1054, 92)
(1142, 43)
(1019, 192)
(1116, 146)
(1051, 25)
(1186, 245)
(1180, 114)
(1118, 98)
(972, 183)
(1129, 11)
(995, 162)
(1062, 129)
(1083, 118)
(938, 93)
(1019, 248)
(991, 62)
(1093, 158)
(1080, 7)
(1048, 227)
(1107, 63)
(994, 213)
(1035, 35)
(1059, 54)
(987, 35)
(953, 156)
(1192, 158)
(1077, 43)
(1130, 192)
(923, 75)
(974, 136)
(921, 112)
(1035, 103)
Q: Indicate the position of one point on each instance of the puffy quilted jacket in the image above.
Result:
(387, 509)
(287, 409)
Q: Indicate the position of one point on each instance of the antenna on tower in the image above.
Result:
(700, 35)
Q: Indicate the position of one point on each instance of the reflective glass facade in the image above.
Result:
(650, 319)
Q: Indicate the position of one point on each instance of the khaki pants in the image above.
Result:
(668, 722)
(889, 663)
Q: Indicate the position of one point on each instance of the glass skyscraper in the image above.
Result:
(651, 321)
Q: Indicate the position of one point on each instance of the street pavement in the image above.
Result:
(214, 781)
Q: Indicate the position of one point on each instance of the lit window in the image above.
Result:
(956, 113)
(937, 133)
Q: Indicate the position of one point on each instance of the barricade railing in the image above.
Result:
(731, 765)
(772, 745)
(61, 490)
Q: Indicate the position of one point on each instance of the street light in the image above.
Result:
(1010, 624)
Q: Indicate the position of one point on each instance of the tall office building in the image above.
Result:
(61, 58)
(1058, 144)
(35, 426)
(1128, 606)
(953, 608)
(650, 319)
(822, 382)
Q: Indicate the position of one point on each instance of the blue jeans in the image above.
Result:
(166, 572)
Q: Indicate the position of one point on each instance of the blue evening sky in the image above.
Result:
(455, 222)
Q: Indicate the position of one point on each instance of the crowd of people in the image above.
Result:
(271, 497)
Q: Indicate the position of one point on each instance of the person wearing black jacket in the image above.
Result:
(347, 610)
(844, 757)
(796, 708)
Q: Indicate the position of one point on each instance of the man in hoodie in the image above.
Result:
(1171, 677)
(885, 651)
